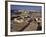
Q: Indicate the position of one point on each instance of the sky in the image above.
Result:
(20, 7)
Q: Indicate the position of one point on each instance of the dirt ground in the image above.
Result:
(26, 26)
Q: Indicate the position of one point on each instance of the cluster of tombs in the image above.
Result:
(22, 18)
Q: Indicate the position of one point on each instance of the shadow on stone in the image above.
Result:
(39, 27)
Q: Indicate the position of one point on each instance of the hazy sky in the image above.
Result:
(20, 7)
